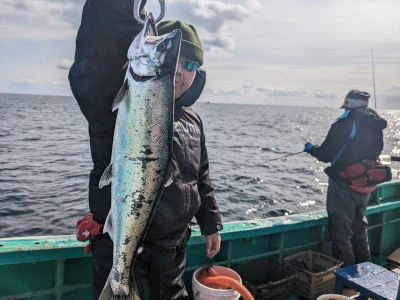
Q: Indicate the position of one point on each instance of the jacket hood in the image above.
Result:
(194, 92)
(373, 118)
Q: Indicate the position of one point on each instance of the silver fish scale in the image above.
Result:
(143, 150)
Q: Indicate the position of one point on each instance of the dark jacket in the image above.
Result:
(356, 135)
(192, 193)
(105, 34)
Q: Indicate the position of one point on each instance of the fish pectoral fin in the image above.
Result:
(108, 226)
(106, 177)
(169, 181)
(120, 95)
(173, 172)
(125, 65)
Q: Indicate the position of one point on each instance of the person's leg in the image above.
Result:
(359, 227)
(341, 210)
(167, 269)
(166, 279)
(102, 256)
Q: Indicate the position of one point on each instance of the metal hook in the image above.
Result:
(136, 12)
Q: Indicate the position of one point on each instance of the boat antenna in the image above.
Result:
(373, 75)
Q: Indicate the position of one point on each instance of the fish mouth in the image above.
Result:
(149, 28)
(138, 77)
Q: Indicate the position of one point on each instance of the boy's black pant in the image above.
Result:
(159, 267)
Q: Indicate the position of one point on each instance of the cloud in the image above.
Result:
(388, 97)
(394, 88)
(319, 94)
(215, 20)
(44, 87)
(280, 91)
(26, 82)
(64, 64)
(39, 19)
(250, 90)
(271, 95)
(260, 52)
(214, 14)
(391, 96)
(221, 92)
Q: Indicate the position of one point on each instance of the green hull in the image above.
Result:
(55, 267)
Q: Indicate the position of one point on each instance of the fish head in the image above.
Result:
(172, 42)
(153, 55)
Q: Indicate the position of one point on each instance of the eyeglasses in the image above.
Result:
(190, 65)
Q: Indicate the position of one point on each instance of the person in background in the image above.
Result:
(355, 136)
(161, 264)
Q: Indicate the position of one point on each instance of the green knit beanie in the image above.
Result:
(191, 44)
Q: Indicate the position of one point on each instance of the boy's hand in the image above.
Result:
(213, 244)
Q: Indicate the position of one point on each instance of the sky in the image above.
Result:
(274, 52)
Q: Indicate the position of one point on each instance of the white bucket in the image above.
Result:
(333, 297)
(202, 292)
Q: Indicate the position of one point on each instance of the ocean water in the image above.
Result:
(45, 161)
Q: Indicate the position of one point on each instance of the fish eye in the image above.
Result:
(162, 46)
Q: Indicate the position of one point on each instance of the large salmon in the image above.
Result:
(142, 151)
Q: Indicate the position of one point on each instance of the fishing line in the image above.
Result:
(285, 156)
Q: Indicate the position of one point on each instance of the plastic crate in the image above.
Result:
(266, 279)
(314, 273)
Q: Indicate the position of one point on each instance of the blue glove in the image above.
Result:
(308, 146)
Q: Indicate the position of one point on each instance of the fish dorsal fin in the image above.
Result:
(120, 96)
(106, 177)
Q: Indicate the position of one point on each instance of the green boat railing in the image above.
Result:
(56, 267)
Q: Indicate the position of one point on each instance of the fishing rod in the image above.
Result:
(373, 75)
(285, 156)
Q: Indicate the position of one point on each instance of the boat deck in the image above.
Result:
(56, 267)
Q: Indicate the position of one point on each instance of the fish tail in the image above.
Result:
(108, 294)
(229, 282)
